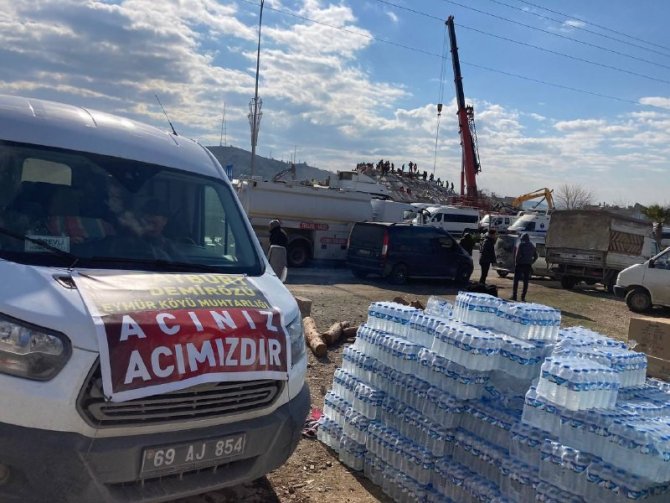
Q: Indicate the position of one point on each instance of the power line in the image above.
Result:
(558, 53)
(433, 54)
(597, 25)
(531, 27)
(552, 84)
(551, 51)
(582, 28)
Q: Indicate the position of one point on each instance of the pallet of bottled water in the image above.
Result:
(488, 400)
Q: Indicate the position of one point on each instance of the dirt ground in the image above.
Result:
(313, 473)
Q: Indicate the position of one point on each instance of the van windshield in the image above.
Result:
(67, 208)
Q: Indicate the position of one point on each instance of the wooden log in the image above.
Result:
(312, 337)
(349, 332)
(332, 335)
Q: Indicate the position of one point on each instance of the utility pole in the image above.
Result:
(256, 104)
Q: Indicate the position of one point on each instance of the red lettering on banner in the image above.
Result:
(154, 347)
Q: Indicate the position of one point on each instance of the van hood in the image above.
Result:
(47, 297)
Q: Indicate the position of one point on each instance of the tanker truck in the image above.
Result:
(317, 219)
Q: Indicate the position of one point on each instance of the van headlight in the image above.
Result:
(297, 338)
(30, 351)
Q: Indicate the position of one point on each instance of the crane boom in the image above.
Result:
(470, 162)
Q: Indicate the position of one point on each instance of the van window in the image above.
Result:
(108, 212)
(451, 217)
(437, 218)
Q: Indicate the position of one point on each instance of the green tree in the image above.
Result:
(659, 215)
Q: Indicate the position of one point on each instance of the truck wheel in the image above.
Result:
(359, 274)
(398, 274)
(638, 300)
(568, 282)
(298, 255)
(502, 274)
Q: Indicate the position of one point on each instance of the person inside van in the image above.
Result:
(487, 254)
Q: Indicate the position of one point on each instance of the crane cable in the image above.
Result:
(440, 96)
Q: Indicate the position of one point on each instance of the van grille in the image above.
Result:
(196, 402)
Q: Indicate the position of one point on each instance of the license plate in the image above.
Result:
(191, 455)
(364, 252)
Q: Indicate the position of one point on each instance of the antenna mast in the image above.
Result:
(223, 126)
(166, 115)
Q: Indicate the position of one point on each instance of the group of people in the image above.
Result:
(524, 257)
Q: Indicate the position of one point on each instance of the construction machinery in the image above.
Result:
(545, 194)
(466, 123)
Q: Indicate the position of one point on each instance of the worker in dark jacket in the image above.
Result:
(487, 254)
(278, 235)
(467, 242)
(525, 256)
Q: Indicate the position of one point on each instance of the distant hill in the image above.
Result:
(265, 168)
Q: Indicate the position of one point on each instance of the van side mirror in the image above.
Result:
(652, 263)
(278, 261)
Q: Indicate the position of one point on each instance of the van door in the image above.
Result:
(657, 279)
(446, 262)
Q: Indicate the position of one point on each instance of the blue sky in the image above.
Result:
(564, 92)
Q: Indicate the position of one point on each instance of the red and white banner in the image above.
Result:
(166, 332)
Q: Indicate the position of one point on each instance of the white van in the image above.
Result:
(453, 219)
(646, 285)
(147, 350)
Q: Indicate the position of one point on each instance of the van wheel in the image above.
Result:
(298, 255)
(638, 300)
(398, 274)
(568, 282)
(502, 274)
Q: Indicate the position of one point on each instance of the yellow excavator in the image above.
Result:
(545, 194)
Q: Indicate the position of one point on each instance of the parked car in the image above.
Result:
(646, 285)
(148, 352)
(399, 251)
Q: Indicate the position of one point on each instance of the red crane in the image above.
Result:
(466, 125)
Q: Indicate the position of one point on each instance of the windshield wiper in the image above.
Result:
(158, 263)
(40, 242)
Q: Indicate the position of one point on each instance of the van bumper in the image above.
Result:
(620, 291)
(67, 467)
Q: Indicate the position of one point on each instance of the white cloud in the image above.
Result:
(574, 23)
(318, 90)
(656, 101)
(392, 16)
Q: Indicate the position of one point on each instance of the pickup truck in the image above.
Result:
(593, 246)
(646, 285)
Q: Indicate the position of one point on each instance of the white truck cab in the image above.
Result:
(147, 350)
(647, 284)
(498, 221)
(534, 224)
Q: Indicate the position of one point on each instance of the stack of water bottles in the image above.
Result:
(490, 400)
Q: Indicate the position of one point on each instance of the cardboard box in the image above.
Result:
(658, 367)
(652, 336)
